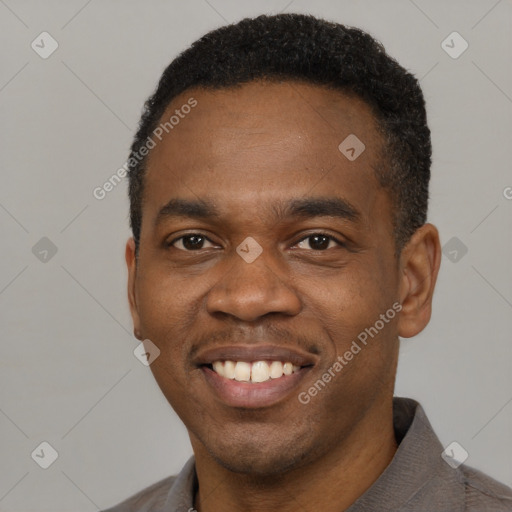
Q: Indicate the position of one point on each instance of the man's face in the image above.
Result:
(260, 155)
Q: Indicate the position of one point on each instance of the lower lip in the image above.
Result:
(253, 395)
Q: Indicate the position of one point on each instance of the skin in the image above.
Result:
(248, 149)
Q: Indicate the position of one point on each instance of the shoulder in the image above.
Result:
(484, 493)
(150, 499)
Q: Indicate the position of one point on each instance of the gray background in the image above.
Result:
(68, 373)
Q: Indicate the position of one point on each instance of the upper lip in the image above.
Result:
(254, 353)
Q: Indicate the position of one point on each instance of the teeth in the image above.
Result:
(229, 369)
(243, 371)
(276, 369)
(219, 368)
(258, 371)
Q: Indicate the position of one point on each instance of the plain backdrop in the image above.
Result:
(68, 373)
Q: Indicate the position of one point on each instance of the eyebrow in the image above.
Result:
(295, 208)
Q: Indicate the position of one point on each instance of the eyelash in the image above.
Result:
(326, 235)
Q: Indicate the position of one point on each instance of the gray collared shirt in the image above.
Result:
(417, 479)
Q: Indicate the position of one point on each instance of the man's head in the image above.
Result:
(260, 239)
(301, 48)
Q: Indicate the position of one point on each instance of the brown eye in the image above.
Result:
(319, 241)
(192, 242)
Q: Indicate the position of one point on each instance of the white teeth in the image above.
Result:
(243, 371)
(276, 369)
(258, 371)
(229, 369)
(218, 366)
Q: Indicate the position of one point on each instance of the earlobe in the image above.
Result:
(131, 265)
(419, 266)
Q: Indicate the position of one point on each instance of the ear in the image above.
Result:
(419, 266)
(131, 263)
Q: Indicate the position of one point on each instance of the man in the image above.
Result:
(279, 188)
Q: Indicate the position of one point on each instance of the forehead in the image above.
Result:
(278, 111)
(263, 141)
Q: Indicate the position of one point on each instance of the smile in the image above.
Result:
(253, 376)
(254, 372)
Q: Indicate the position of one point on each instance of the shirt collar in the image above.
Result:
(417, 476)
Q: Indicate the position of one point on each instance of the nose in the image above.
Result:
(249, 291)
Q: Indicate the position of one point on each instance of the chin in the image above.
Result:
(259, 465)
(260, 455)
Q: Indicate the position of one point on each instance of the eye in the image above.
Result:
(319, 241)
(197, 241)
(191, 242)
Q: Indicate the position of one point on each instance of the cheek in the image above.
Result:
(166, 318)
(163, 300)
(349, 311)
(352, 298)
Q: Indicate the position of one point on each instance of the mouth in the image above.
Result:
(254, 372)
(254, 376)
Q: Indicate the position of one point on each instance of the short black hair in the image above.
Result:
(298, 47)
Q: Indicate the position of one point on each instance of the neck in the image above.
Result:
(330, 483)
